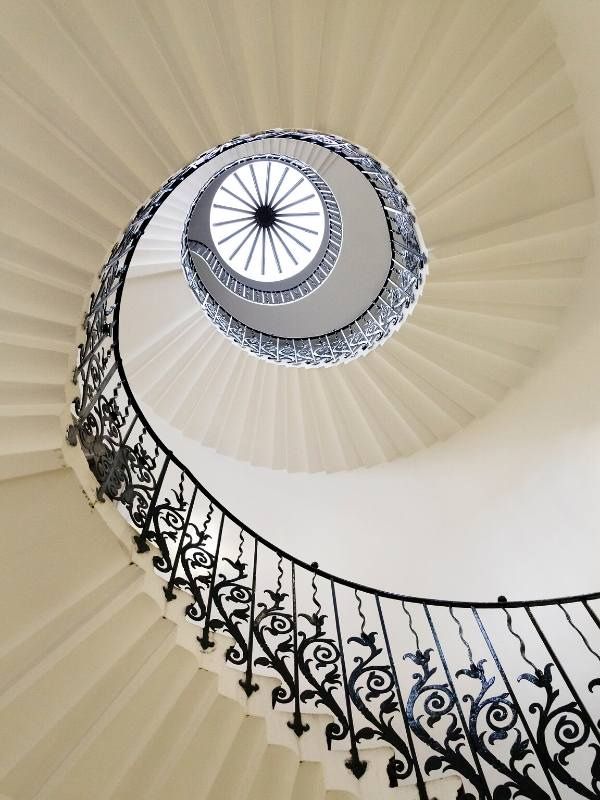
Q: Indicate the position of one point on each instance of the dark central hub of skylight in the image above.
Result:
(265, 216)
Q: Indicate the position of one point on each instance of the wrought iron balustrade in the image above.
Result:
(505, 695)
(387, 311)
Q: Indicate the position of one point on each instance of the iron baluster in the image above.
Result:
(204, 640)
(438, 703)
(93, 382)
(82, 414)
(418, 774)
(516, 704)
(567, 730)
(195, 555)
(106, 289)
(296, 725)
(481, 783)
(271, 624)
(318, 656)
(595, 682)
(246, 682)
(582, 708)
(168, 589)
(141, 538)
(372, 691)
(231, 591)
(91, 352)
(101, 490)
(501, 717)
(172, 514)
(354, 764)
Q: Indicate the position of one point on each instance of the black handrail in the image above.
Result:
(406, 671)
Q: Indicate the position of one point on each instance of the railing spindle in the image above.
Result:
(516, 704)
(168, 589)
(558, 664)
(296, 725)
(204, 640)
(141, 539)
(418, 774)
(354, 764)
(483, 783)
(246, 682)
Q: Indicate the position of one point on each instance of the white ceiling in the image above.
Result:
(475, 113)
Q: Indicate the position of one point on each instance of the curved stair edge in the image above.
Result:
(309, 748)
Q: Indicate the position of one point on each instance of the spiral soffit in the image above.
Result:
(502, 191)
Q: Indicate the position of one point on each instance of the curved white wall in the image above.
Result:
(508, 506)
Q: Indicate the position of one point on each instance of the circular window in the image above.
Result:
(267, 221)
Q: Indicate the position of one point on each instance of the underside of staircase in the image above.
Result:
(105, 696)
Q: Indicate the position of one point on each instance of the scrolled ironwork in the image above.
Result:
(493, 718)
(563, 728)
(319, 662)
(373, 693)
(511, 733)
(274, 632)
(232, 598)
(430, 703)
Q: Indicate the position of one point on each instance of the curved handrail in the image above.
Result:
(328, 640)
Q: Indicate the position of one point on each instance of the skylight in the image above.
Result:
(267, 220)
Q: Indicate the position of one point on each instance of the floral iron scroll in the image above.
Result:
(505, 695)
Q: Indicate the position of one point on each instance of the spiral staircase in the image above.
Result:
(488, 112)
